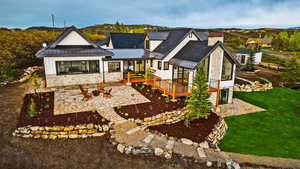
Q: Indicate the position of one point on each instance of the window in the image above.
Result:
(159, 65)
(151, 63)
(114, 67)
(204, 67)
(190, 35)
(227, 69)
(243, 59)
(166, 65)
(224, 96)
(77, 67)
(147, 44)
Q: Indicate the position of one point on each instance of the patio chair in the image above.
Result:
(101, 87)
(107, 93)
(85, 93)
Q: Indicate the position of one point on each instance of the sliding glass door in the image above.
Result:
(181, 75)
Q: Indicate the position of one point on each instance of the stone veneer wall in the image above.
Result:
(65, 80)
(113, 76)
(216, 59)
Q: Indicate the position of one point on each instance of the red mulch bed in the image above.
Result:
(157, 105)
(197, 130)
(45, 105)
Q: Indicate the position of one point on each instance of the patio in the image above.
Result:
(69, 100)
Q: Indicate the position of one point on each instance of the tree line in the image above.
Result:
(287, 41)
(18, 48)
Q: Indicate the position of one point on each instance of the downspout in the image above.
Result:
(103, 74)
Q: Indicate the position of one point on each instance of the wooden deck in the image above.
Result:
(169, 87)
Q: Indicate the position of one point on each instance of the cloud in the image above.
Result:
(187, 13)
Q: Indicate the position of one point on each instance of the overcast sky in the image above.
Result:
(175, 13)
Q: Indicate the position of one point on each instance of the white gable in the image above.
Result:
(74, 38)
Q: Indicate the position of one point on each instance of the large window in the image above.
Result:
(159, 65)
(227, 69)
(204, 67)
(77, 67)
(166, 65)
(114, 67)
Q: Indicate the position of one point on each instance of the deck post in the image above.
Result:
(174, 93)
(154, 81)
(165, 88)
(218, 94)
(128, 79)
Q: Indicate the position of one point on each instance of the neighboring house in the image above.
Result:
(173, 55)
(262, 42)
(243, 55)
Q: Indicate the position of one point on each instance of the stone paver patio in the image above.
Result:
(70, 101)
(238, 107)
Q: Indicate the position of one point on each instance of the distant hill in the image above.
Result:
(45, 28)
(298, 27)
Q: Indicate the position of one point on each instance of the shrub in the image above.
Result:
(32, 112)
(198, 104)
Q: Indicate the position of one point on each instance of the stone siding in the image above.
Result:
(65, 80)
(113, 76)
(216, 59)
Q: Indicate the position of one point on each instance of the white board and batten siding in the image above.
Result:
(167, 74)
(74, 39)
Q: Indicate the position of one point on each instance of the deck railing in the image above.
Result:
(171, 88)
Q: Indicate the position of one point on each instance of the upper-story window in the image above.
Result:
(147, 44)
(166, 65)
(190, 35)
(159, 65)
(77, 67)
(227, 69)
(204, 67)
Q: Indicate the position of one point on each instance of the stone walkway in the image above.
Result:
(143, 138)
(265, 161)
(238, 107)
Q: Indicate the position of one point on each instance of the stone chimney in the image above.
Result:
(213, 38)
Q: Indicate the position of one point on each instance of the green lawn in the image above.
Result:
(275, 132)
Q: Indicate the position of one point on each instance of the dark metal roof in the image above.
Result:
(174, 38)
(72, 51)
(158, 35)
(55, 50)
(183, 63)
(127, 40)
(202, 35)
(125, 54)
(103, 42)
(194, 51)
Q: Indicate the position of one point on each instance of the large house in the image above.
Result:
(174, 55)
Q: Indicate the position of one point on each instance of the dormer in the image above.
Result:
(154, 39)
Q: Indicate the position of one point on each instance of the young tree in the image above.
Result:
(250, 62)
(291, 75)
(198, 104)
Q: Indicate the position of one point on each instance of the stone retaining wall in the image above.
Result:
(25, 76)
(217, 133)
(165, 118)
(253, 86)
(62, 132)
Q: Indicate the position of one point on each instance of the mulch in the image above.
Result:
(45, 105)
(196, 131)
(158, 104)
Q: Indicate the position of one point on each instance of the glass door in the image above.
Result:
(224, 96)
(128, 67)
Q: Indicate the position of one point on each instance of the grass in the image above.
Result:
(275, 132)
